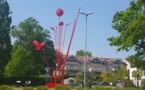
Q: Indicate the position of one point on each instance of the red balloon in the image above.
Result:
(59, 12)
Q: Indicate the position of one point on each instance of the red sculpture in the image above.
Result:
(59, 12)
(38, 45)
(59, 72)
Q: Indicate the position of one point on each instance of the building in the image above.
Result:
(75, 64)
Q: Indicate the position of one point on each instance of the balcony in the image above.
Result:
(72, 67)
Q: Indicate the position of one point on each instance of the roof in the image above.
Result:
(90, 59)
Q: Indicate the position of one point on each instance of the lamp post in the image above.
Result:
(86, 14)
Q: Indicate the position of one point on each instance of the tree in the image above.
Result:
(5, 41)
(121, 72)
(20, 63)
(90, 77)
(24, 51)
(79, 77)
(130, 24)
(107, 76)
(137, 72)
(136, 61)
(82, 53)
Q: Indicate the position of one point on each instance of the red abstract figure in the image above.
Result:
(59, 43)
(38, 45)
(59, 12)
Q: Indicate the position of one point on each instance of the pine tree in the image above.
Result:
(5, 40)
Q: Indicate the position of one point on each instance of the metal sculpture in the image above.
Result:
(59, 43)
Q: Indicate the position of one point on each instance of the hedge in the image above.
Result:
(35, 81)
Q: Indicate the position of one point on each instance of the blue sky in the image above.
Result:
(99, 23)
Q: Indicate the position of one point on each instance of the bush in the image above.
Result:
(82, 88)
(130, 84)
(143, 84)
(66, 88)
(143, 87)
(130, 88)
(41, 88)
(103, 88)
(35, 81)
(5, 87)
(28, 88)
(58, 87)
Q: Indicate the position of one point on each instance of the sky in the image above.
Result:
(99, 24)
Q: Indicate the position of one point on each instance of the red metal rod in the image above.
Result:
(74, 26)
(47, 65)
(64, 36)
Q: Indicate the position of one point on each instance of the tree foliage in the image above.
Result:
(79, 77)
(136, 73)
(5, 41)
(24, 51)
(90, 77)
(82, 53)
(107, 76)
(20, 63)
(130, 24)
(121, 73)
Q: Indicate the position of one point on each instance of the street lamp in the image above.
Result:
(86, 14)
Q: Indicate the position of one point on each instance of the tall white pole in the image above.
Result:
(85, 58)
(85, 52)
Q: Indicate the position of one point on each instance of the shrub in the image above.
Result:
(130, 84)
(79, 88)
(82, 88)
(103, 88)
(5, 87)
(41, 88)
(71, 81)
(129, 88)
(143, 84)
(66, 88)
(58, 87)
(28, 88)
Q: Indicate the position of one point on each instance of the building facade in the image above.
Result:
(75, 64)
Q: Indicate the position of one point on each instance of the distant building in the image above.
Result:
(75, 64)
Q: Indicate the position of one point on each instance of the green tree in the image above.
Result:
(121, 73)
(82, 53)
(107, 76)
(24, 51)
(136, 61)
(5, 41)
(90, 77)
(137, 72)
(130, 24)
(79, 77)
(20, 63)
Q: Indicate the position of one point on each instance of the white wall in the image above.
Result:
(133, 78)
